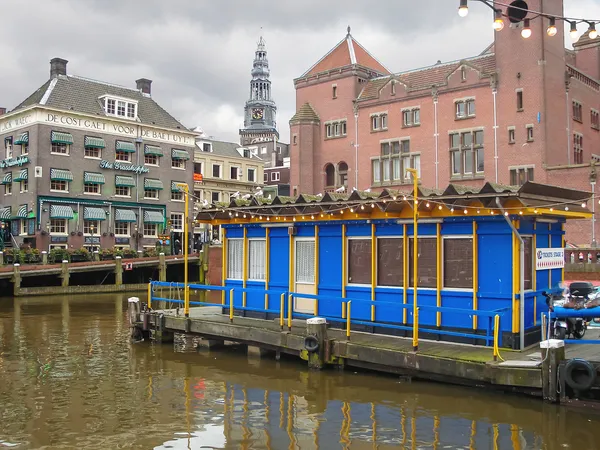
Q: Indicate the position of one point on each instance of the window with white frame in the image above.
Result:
(216, 170)
(92, 152)
(122, 156)
(577, 148)
(91, 188)
(465, 108)
(394, 161)
(426, 262)
(215, 196)
(23, 227)
(123, 191)
(257, 259)
(411, 117)
(529, 129)
(8, 189)
(235, 258)
(151, 194)
(122, 228)
(251, 175)
(59, 185)
(390, 260)
(466, 153)
(457, 262)
(234, 172)
(151, 160)
(177, 221)
(91, 227)
(60, 148)
(24, 186)
(120, 108)
(265, 176)
(58, 226)
(178, 163)
(336, 128)
(520, 175)
(305, 261)
(274, 176)
(150, 230)
(379, 121)
(25, 148)
(359, 260)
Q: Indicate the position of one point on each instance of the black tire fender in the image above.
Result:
(580, 374)
(311, 344)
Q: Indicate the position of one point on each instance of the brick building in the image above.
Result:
(88, 163)
(523, 109)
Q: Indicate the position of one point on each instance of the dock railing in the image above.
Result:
(286, 312)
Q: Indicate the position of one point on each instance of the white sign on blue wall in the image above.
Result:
(549, 258)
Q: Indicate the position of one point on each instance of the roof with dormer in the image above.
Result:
(347, 52)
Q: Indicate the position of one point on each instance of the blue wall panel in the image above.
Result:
(256, 232)
(279, 258)
(305, 230)
(391, 310)
(360, 310)
(425, 229)
(457, 228)
(236, 232)
(255, 297)
(495, 264)
(358, 230)
(389, 230)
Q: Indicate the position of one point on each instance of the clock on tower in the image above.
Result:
(257, 113)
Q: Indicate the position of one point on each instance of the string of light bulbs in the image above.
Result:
(520, 12)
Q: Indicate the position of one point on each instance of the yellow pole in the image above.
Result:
(281, 309)
(514, 282)
(348, 306)
(267, 257)
(416, 330)
(289, 317)
(150, 296)
(244, 265)
(316, 306)
(223, 265)
(231, 305)
(415, 254)
(343, 261)
(404, 272)
(373, 268)
(438, 258)
(475, 274)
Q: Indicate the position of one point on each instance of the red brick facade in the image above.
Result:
(522, 91)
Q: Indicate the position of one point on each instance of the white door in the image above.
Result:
(304, 276)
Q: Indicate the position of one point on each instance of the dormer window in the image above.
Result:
(120, 107)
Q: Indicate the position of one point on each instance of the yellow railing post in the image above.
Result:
(343, 310)
(348, 312)
(416, 330)
(231, 305)
(149, 295)
(281, 309)
(289, 316)
(415, 177)
(496, 335)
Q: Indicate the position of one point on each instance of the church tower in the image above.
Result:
(259, 113)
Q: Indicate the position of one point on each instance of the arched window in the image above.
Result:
(329, 175)
(343, 174)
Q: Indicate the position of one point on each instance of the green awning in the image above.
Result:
(7, 178)
(179, 154)
(152, 150)
(61, 212)
(61, 175)
(153, 185)
(5, 213)
(154, 217)
(23, 139)
(90, 213)
(175, 188)
(93, 142)
(58, 137)
(124, 215)
(22, 175)
(128, 147)
(122, 181)
(93, 178)
(22, 212)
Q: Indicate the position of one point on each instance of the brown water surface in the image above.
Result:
(69, 378)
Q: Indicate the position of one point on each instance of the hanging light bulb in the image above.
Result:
(463, 9)
(551, 209)
(451, 210)
(526, 31)
(498, 24)
(372, 205)
(351, 210)
(294, 219)
(573, 31)
(492, 213)
(244, 216)
(552, 30)
(592, 31)
(465, 211)
(440, 207)
(259, 217)
(312, 217)
(535, 211)
(520, 213)
(478, 211)
(302, 217)
(427, 204)
(584, 205)
(403, 198)
(566, 208)
(362, 206)
(506, 213)
(268, 218)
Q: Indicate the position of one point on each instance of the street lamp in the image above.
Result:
(92, 236)
(186, 293)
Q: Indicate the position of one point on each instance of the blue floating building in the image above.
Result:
(481, 253)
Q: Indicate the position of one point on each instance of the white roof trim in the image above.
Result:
(349, 40)
(46, 96)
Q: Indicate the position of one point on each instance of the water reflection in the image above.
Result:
(70, 378)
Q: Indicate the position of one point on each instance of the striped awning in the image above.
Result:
(93, 142)
(153, 185)
(22, 175)
(22, 212)
(5, 213)
(90, 213)
(7, 178)
(61, 212)
(122, 181)
(93, 178)
(128, 147)
(154, 217)
(58, 137)
(179, 154)
(175, 187)
(61, 175)
(124, 215)
(152, 150)
(23, 139)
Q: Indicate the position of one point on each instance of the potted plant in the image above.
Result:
(58, 255)
(107, 254)
(80, 255)
(150, 253)
(32, 256)
(9, 255)
(129, 253)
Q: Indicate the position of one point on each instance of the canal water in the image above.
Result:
(70, 379)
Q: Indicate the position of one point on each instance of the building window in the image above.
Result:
(529, 133)
(465, 108)
(257, 260)
(426, 262)
(206, 147)
(343, 174)
(329, 175)
(359, 261)
(150, 230)
(177, 163)
(463, 74)
(411, 117)
(234, 172)
(466, 153)
(235, 258)
(335, 129)
(123, 191)
(266, 176)
(122, 156)
(151, 194)
(394, 161)
(198, 167)
(577, 111)
(24, 186)
(91, 188)
(216, 171)
(519, 100)
(122, 228)
(23, 227)
(59, 149)
(8, 145)
(595, 120)
(91, 227)
(511, 135)
(305, 261)
(520, 175)
(577, 148)
(177, 196)
(110, 106)
(25, 150)
(334, 91)
(379, 122)
(458, 262)
(390, 260)
(59, 185)
(58, 226)
(252, 175)
(8, 189)
(215, 197)
(274, 176)
(92, 152)
(528, 262)
(263, 150)
(295, 139)
(151, 160)
(177, 221)
(120, 108)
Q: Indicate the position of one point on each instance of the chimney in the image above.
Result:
(58, 67)
(2, 111)
(144, 85)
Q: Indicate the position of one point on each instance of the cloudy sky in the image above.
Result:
(199, 52)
